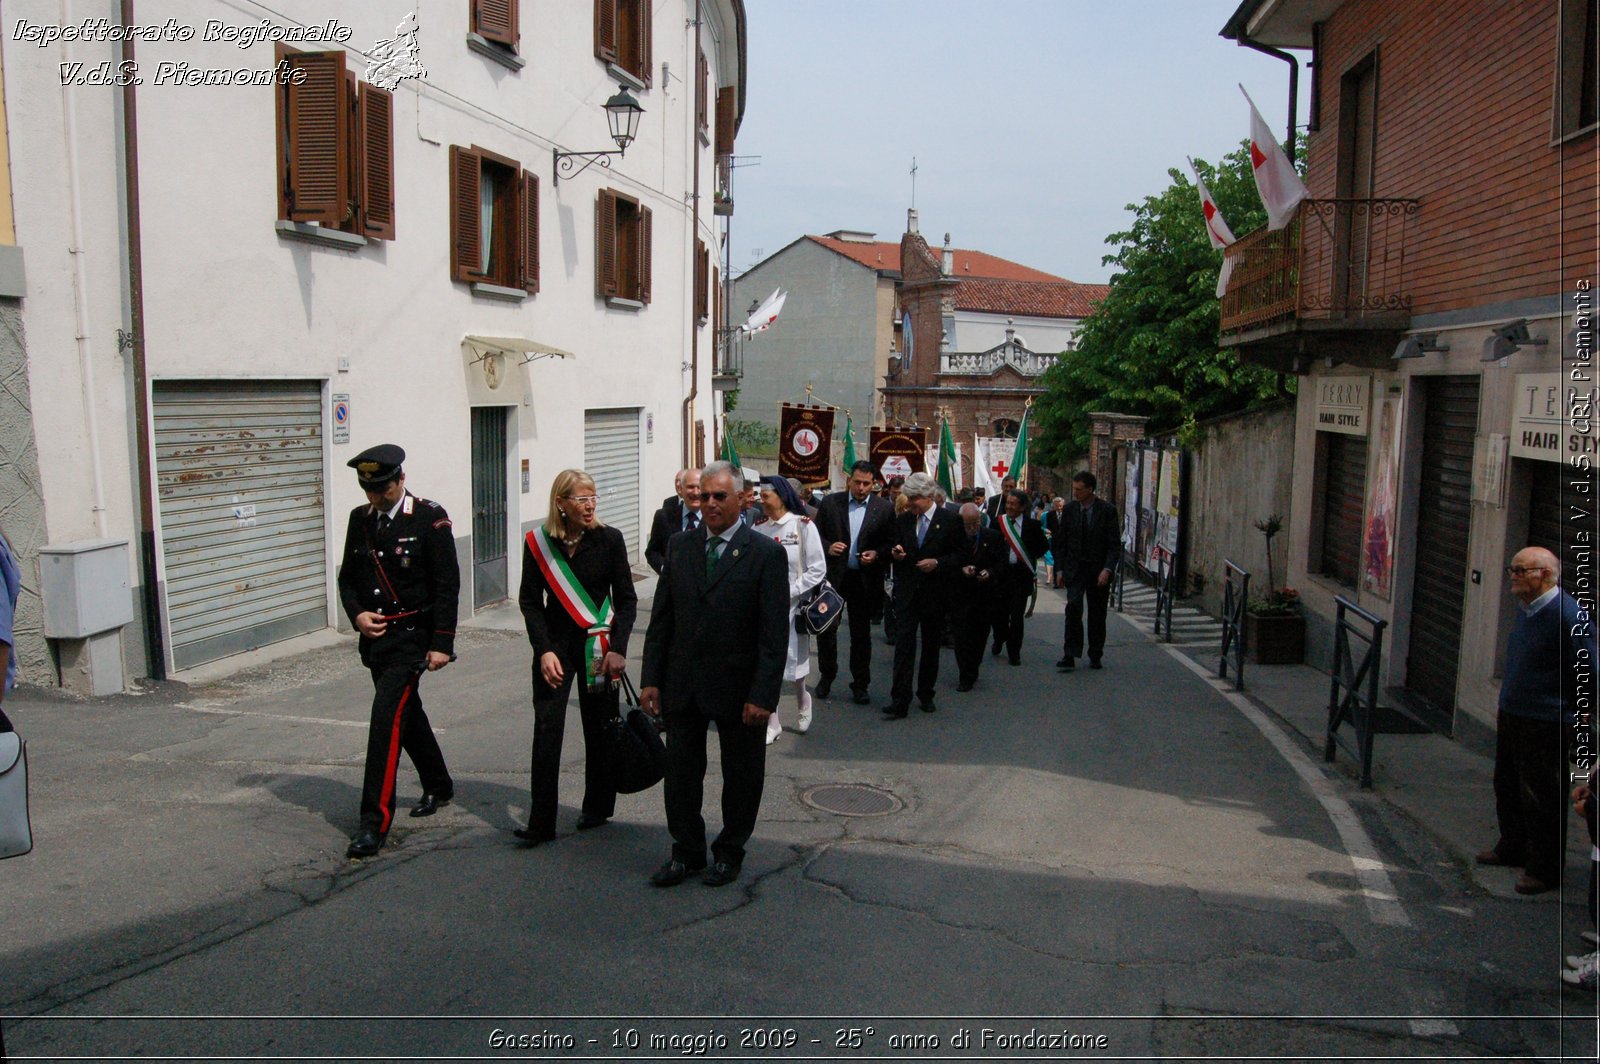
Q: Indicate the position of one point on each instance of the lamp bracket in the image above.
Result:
(566, 162)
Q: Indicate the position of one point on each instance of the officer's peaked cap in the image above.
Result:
(376, 466)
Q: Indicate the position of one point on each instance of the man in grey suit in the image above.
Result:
(715, 651)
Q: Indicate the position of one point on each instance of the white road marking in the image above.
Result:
(1383, 901)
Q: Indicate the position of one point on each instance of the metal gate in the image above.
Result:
(611, 457)
(242, 524)
(1444, 516)
(489, 580)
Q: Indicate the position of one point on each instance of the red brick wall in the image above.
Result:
(1465, 104)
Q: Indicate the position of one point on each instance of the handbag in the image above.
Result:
(636, 758)
(821, 610)
(16, 836)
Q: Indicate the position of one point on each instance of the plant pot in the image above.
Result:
(1275, 639)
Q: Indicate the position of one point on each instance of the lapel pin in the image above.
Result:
(736, 552)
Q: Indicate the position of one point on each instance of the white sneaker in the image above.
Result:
(774, 729)
(802, 723)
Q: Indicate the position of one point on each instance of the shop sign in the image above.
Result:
(1343, 404)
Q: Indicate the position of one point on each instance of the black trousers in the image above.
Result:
(1010, 603)
(971, 632)
(1086, 588)
(398, 723)
(863, 597)
(922, 618)
(1530, 794)
(744, 769)
(549, 727)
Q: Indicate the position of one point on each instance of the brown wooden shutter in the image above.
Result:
(376, 189)
(725, 121)
(702, 281)
(605, 30)
(314, 139)
(716, 301)
(605, 242)
(496, 20)
(702, 90)
(645, 25)
(529, 232)
(644, 254)
(466, 237)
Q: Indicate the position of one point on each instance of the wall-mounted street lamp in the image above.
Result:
(1419, 345)
(1508, 338)
(622, 115)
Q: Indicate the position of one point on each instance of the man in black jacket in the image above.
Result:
(1024, 545)
(1088, 548)
(973, 596)
(855, 524)
(715, 651)
(399, 586)
(681, 513)
(927, 549)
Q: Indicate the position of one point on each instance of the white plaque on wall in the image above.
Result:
(1343, 404)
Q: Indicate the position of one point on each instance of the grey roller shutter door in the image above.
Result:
(239, 477)
(611, 457)
(1344, 482)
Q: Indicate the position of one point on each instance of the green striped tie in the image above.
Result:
(713, 552)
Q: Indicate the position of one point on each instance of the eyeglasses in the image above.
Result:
(583, 500)
(1524, 570)
(715, 496)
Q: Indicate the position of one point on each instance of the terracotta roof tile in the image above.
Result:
(1038, 299)
(882, 255)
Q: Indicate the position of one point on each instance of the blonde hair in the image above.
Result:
(560, 488)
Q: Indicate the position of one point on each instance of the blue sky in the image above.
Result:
(1033, 122)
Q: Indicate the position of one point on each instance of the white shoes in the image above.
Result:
(802, 723)
(774, 729)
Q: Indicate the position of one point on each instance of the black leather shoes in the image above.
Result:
(895, 713)
(720, 874)
(431, 804)
(365, 844)
(1094, 663)
(965, 685)
(531, 838)
(994, 651)
(1066, 664)
(859, 696)
(1015, 660)
(926, 705)
(672, 873)
(824, 685)
(590, 821)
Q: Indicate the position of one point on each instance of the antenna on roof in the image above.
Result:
(913, 182)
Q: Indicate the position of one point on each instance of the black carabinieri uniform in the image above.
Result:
(405, 569)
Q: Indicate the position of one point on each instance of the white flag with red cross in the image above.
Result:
(991, 462)
(1217, 230)
(1276, 180)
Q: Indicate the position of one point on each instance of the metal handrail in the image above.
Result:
(1356, 706)
(1235, 596)
(1164, 595)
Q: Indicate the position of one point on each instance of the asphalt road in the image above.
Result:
(1115, 863)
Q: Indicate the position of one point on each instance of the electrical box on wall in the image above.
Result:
(84, 588)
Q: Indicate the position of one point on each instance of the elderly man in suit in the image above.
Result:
(715, 651)
(927, 549)
(854, 525)
(681, 513)
(1087, 548)
(972, 600)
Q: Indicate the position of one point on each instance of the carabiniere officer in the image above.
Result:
(399, 585)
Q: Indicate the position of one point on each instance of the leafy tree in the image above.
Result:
(1151, 346)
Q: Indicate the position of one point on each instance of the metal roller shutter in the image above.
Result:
(1344, 494)
(1551, 522)
(1444, 517)
(611, 457)
(243, 540)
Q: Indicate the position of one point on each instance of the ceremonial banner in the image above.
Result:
(804, 433)
(898, 452)
(991, 462)
(931, 457)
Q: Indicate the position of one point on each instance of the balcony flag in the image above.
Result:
(1217, 230)
(765, 314)
(1019, 457)
(948, 470)
(1280, 187)
(849, 444)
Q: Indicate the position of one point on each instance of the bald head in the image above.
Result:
(971, 517)
(1534, 571)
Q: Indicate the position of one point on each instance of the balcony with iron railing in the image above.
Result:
(1333, 283)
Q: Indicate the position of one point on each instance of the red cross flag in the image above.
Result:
(1217, 230)
(1280, 187)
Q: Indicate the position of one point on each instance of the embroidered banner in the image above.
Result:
(804, 436)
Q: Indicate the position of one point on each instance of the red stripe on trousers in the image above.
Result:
(386, 800)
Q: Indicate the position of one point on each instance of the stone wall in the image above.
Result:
(22, 497)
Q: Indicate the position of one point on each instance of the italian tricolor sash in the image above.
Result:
(1014, 537)
(596, 622)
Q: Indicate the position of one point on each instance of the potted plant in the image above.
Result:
(1274, 627)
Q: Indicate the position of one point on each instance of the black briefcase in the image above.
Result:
(636, 758)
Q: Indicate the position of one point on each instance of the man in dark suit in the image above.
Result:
(681, 513)
(1088, 548)
(854, 525)
(1024, 545)
(927, 549)
(715, 651)
(995, 504)
(972, 599)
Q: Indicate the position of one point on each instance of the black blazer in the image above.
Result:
(715, 643)
(877, 530)
(667, 523)
(410, 566)
(1100, 549)
(987, 554)
(601, 565)
(1033, 541)
(946, 543)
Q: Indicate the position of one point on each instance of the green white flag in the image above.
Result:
(849, 445)
(1019, 457)
(729, 454)
(947, 472)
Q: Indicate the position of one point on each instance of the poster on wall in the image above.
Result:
(1150, 477)
(1130, 503)
(804, 434)
(898, 452)
(1377, 555)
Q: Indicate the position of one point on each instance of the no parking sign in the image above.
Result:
(341, 419)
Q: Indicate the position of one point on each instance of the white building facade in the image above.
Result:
(228, 295)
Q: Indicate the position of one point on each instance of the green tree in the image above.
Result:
(1151, 346)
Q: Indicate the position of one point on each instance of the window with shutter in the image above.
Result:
(622, 247)
(702, 281)
(494, 220)
(496, 20)
(725, 116)
(605, 244)
(335, 146)
(605, 30)
(530, 232)
(702, 94)
(466, 238)
(622, 36)
(644, 255)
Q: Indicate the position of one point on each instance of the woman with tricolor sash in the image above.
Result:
(578, 601)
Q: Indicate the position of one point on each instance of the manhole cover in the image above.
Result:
(852, 799)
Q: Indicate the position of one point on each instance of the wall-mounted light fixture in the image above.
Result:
(622, 115)
(1419, 345)
(1508, 338)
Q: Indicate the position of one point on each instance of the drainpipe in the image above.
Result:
(1294, 81)
(155, 653)
(694, 234)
